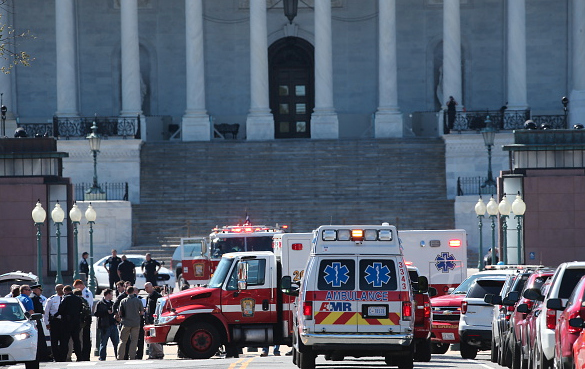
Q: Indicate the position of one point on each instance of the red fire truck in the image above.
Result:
(199, 261)
(242, 304)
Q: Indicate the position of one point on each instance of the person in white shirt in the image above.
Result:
(52, 322)
(86, 331)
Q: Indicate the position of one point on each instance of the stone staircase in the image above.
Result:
(187, 188)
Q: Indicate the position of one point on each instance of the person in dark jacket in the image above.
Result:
(150, 268)
(70, 312)
(155, 349)
(84, 265)
(127, 270)
(107, 323)
(111, 265)
(38, 301)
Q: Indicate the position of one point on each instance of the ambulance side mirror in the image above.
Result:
(287, 287)
(423, 284)
(432, 291)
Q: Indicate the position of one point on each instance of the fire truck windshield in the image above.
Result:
(221, 272)
(222, 245)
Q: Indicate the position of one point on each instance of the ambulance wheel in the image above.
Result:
(200, 341)
(467, 352)
(423, 351)
(294, 355)
(405, 361)
(307, 359)
(440, 348)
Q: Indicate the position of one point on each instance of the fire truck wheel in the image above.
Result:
(307, 359)
(467, 352)
(440, 348)
(200, 341)
(423, 351)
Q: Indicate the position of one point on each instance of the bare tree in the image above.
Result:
(9, 42)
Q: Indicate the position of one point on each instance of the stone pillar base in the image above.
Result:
(196, 128)
(576, 108)
(388, 125)
(260, 127)
(324, 126)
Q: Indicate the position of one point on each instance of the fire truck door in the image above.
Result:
(256, 301)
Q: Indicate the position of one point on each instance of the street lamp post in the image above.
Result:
(39, 215)
(489, 135)
(75, 216)
(58, 215)
(492, 209)
(504, 209)
(91, 215)
(480, 211)
(519, 208)
(94, 145)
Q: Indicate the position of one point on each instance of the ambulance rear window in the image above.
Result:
(337, 275)
(378, 274)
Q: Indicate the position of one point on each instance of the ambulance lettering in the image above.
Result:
(357, 296)
(335, 306)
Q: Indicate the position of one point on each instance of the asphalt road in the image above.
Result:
(252, 360)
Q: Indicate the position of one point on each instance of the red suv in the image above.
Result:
(422, 318)
(565, 334)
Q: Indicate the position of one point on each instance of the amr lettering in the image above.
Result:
(335, 306)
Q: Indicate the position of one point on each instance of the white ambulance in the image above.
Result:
(355, 298)
(439, 255)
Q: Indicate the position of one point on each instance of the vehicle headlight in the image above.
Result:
(21, 336)
(166, 319)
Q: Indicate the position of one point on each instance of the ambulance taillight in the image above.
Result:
(454, 243)
(297, 246)
(406, 310)
(308, 310)
(427, 310)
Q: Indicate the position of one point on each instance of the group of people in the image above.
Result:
(123, 269)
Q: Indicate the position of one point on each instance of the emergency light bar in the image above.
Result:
(357, 235)
(248, 229)
(454, 243)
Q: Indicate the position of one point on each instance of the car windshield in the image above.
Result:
(224, 245)
(220, 273)
(484, 286)
(11, 311)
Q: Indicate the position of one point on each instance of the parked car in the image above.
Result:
(565, 334)
(531, 318)
(447, 308)
(165, 277)
(19, 334)
(522, 316)
(564, 280)
(475, 322)
(579, 345)
(500, 320)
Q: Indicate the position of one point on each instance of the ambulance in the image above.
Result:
(355, 298)
(241, 306)
(439, 255)
(200, 256)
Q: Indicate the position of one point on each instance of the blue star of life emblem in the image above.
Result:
(445, 262)
(377, 274)
(336, 274)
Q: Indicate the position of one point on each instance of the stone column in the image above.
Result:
(66, 59)
(131, 98)
(196, 126)
(517, 99)
(452, 85)
(6, 81)
(324, 122)
(577, 96)
(388, 117)
(260, 122)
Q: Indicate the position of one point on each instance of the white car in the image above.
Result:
(165, 276)
(18, 334)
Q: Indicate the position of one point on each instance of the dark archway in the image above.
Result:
(292, 87)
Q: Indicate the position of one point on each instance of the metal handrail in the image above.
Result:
(474, 186)
(113, 191)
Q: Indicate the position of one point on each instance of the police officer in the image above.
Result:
(38, 302)
(70, 312)
(53, 323)
(150, 268)
(111, 265)
(127, 271)
(84, 265)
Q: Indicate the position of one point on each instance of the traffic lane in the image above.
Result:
(452, 359)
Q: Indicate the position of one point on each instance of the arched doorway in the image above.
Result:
(292, 87)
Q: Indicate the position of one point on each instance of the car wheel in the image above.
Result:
(506, 353)
(515, 356)
(523, 358)
(467, 352)
(200, 341)
(494, 353)
(439, 348)
(423, 351)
